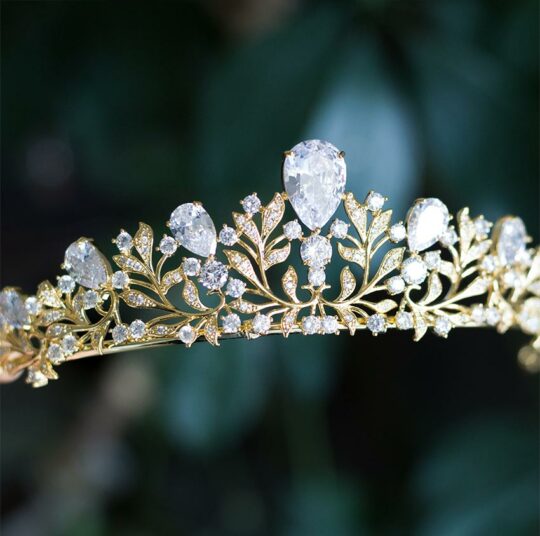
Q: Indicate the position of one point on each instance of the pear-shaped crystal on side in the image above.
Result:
(85, 264)
(314, 176)
(511, 239)
(12, 309)
(194, 229)
(426, 223)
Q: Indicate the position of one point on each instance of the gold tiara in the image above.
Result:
(472, 276)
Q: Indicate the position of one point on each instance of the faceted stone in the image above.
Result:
(395, 285)
(482, 227)
(511, 239)
(55, 354)
(261, 324)
(492, 316)
(311, 324)
(66, 284)
(193, 228)
(228, 236)
(449, 237)
(316, 251)
(37, 378)
(529, 316)
(32, 305)
(374, 201)
(187, 334)
(123, 241)
(426, 223)
(330, 324)
(397, 232)
(167, 246)
(339, 228)
(120, 333)
(235, 288)
(137, 329)
(432, 259)
(316, 276)
(314, 175)
(69, 344)
(12, 309)
(489, 263)
(292, 230)
(191, 266)
(404, 320)
(85, 264)
(443, 325)
(478, 313)
(251, 204)
(231, 323)
(214, 275)
(376, 324)
(120, 279)
(90, 299)
(414, 271)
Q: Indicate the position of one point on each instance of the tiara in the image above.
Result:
(419, 275)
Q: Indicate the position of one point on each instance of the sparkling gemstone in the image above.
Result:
(137, 329)
(187, 334)
(69, 344)
(12, 308)
(512, 279)
(228, 236)
(292, 230)
(316, 251)
(432, 259)
(492, 316)
(511, 239)
(123, 241)
(316, 276)
(167, 245)
(235, 288)
(529, 316)
(85, 264)
(251, 204)
(90, 299)
(55, 354)
(449, 237)
(32, 305)
(66, 284)
(404, 320)
(194, 229)
(339, 228)
(314, 174)
(214, 275)
(374, 201)
(478, 313)
(397, 232)
(261, 324)
(482, 227)
(414, 271)
(427, 221)
(443, 325)
(489, 263)
(395, 285)
(231, 323)
(376, 324)
(37, 378)
(119, 279)
(311, 324)
(330, 324)
(120, 333)
(191, 266)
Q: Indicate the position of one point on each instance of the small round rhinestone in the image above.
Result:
(214, 275)
(261, 324)
(32, 305)
(443, 325)
(90, 299)
(397, 232)
(120, 279)
(404, 320)
(168, 246)
(374, 201)
(339, 228)
(120, 333)
(316, 276)
(137, 329)
(66, 284)
(228, 236)
(292, 230)
(251, 204)
(69, 344)
(414, 271)
(55, 354)
(187, 334)
(235, 288)
(311, 324)
(330, 324)
(231, 323)
(124, 242)
(191, 266)
(376, 324)
(395, 285)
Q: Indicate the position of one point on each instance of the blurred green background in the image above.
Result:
(117, 111)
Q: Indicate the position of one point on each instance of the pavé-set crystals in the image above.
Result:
(428, 273)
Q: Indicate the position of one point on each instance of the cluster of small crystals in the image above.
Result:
(491, 277)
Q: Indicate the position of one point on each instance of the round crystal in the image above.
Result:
(228, 236)
(124, 242)
(55, 354)
(119, 279)
(477, 313)
(314, 175)
(316, 251)
(339, 228)
(482, 227)
(432, 259)
(292, 230)
(137, 329)
(376, 324)
(90, 299)
(69, 344)
(214, 275)
(529, 316)
(235, 288)
(32, 305)
(404, 320)
(66, 284)
(374, 201)
(316, 276)
(492, 316)
(231, 323)
(251, 204)
(191, 266)
(449, 237)
(119, 333)
(443, 325)
(414, 271)
(330, 324)
(395, 285)
(261, 324)
(168, 245)
(397, 232)
(193, 228)
(489, 263)
(311, 324)
(187, 334)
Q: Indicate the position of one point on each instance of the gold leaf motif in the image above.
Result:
(128, 263)
(49, 295)
(98, 336)
(383, 306)
(211, 333)
(288, 321)
(434, 289)
(379, 224)
(135, 298)
(277, 255)
(420, 325)
(247, 226)
(348, 318)
(144, 241)
(358, 215)
(170, 279)
(348, 283)
(190, 293)
(478, 287)
(289, 283)
(272, 214)
(467, 231)
(242, 265)
(447, 269)
(161, 330)
(391, 261)
(355, 255)
(243, 306)
(475, 252)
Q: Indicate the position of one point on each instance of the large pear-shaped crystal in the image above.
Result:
(12, 310)
(194, 229)
(84, 262)
(426, 223)
(314, 175)
(512, 239)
